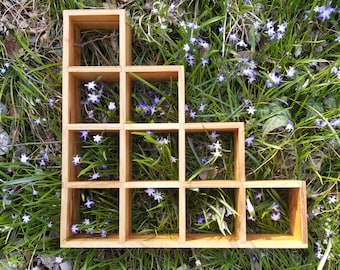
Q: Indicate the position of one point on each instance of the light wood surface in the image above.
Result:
(125, 74)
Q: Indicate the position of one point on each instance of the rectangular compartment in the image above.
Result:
(279, 208)
(94, 96)
(268, 211)
(210, 211)
(153, 94)
(100, 33)
(96, 213)
(154, 212)
(209, 155)
(98, 47)
(154, 155)
(96, 155)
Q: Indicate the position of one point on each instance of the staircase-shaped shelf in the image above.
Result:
(76, 71)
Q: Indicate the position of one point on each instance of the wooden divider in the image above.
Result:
(76, 21)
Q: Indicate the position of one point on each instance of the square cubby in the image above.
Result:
(276, 212)
(155, 211)
(209, 155)
(212, 212)
(93, 38)
(96, 155)
(154, 155)
(99, 47)
(95, 213)
(153, 97)
(268, 211)
(94, 97)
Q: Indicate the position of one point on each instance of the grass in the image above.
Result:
(285, 88)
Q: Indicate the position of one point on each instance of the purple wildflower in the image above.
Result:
(275, 216)
(192, 114)
(93, 98)
(220, 78)
(202, 107)
(84, 134)
(95, 176)
(200, 220)
(320, 123)
(88, 203)
(335, 122)
(150, 191)
(273, 80)
(325, 12)
(102, 233)
(250, 140)
(74, 228)
(214, 136)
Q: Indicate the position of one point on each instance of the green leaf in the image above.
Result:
(275, 122)
(330, 102)
(210, 21)
(317, 108)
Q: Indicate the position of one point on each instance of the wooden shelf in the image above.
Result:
(124, 74)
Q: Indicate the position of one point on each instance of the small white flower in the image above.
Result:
(112, 106)
(282, 27)
(150, 191)
(332, 199)
(217, 153)
(290, 72)
(241, 43)
(86, 221)
(26, 218)
(76, 160)
(251, 110)
(202, 107)
(91, 85)
(186, 47)
(173, 159)
(328, 232)
(220, 78)
(24, 159)
(97, 138)
(276, 207)
(316, 9)
(217, 145)
(58, 259)
(198, 262)
(334, 70)
(290, 126)
(158, 196)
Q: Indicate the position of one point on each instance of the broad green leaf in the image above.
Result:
(330, 102)
(275, 122)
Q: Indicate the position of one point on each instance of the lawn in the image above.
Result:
(274, 65)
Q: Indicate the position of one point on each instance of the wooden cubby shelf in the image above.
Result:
(120, 183)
